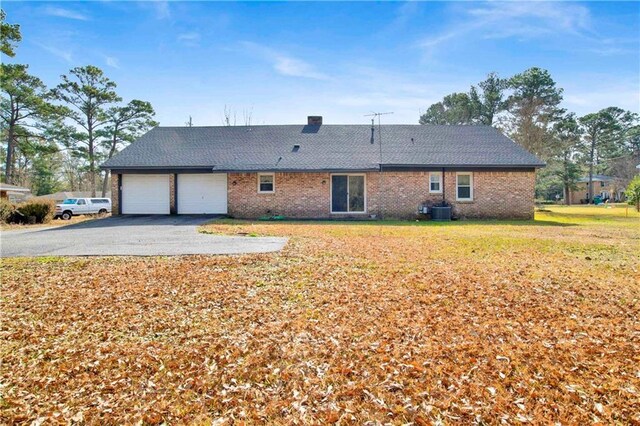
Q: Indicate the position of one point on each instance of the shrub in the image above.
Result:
(633, 192)
(42, 210)
(6, 211)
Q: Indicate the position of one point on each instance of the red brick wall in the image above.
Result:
(581, 191)
(115, 200)
(401, 195)
(497, 194)
(301, 195)
(173, 208)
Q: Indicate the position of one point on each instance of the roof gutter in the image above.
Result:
(463, 166)
(163, 170)
(147, 169)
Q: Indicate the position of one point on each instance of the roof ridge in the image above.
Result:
(327, 125)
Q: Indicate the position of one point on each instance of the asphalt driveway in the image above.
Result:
(131, 235)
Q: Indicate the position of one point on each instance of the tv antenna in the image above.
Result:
(377, 114)
(373, 116)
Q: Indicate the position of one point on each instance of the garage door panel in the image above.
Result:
(145, 194)
(202, 193)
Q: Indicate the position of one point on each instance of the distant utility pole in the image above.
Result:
(380, 191)
(189, 123)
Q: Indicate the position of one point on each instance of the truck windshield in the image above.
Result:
(70, 201)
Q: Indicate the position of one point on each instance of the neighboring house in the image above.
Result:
(607, 187)
(59, 197)
(324, 171)
(13, 193)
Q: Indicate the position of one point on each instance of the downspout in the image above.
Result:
(380, 192)
(175, 194)
(443, 189)
(119, 193)
(380, 189)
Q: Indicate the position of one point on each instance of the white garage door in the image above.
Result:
(145, 194)
(202, 193)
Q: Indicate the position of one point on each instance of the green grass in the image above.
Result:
(618, 214)
(549, 215)
(603, 236)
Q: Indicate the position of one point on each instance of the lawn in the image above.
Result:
(392, 322)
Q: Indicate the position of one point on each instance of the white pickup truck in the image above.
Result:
(76, 206)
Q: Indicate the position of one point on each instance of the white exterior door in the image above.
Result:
(202, 193)
(145, 194)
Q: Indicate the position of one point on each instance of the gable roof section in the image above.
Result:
(321, 148)
(597, 178)
(12, 188)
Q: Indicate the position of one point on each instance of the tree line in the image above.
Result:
(526, 107)
(56, 138)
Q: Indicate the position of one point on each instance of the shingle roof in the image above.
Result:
(324, 147)
(597, 178)
(14, 188)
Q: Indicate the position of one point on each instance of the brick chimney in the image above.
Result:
(314, 120)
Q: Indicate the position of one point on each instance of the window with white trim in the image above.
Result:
(266, 183)
(435, 182)
(464, 186)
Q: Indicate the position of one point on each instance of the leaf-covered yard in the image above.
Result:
(396, 323)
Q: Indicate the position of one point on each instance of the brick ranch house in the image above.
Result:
(607, 187)
(324, 171)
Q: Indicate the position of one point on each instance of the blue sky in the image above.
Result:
(284, 61)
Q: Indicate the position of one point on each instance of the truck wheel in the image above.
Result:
(66, 215)
(102, 211)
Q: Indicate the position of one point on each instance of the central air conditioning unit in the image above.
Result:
(441, 213)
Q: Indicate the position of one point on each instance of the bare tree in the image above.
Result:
(229, 116)
(247, 114)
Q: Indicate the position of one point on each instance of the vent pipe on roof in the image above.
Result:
(373, 129)
(314, 120)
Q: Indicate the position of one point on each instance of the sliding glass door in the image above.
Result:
(347, 194)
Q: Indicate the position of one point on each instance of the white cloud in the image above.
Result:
(523, 20)
(191, 39)
(64, 54)
(582, 97)
(543, 16)
(285, 64)
(65, 13)
(161, 9)
(189, 36)
(404, 13)
(112, 61)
